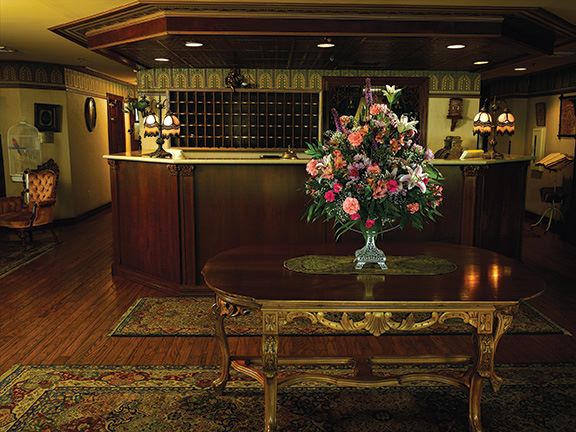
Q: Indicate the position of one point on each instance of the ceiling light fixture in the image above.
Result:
(194, 44)
(520, 68)
(481, 62)
(161, 59)
(326, 43)
(456, 46)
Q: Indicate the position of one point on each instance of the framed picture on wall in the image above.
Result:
(47, 118)
(567, 126)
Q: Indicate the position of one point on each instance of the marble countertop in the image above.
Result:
(274, 158)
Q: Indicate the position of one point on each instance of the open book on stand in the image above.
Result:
(555, 161)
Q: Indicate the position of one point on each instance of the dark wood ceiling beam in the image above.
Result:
(530, 36)
(163, 26)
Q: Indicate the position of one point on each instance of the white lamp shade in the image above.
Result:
(482, 122)
(151, 126)
(505, 123)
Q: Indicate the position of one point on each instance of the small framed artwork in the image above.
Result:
(567, 126)
(47, 118)
(90, 113)
(541, 114)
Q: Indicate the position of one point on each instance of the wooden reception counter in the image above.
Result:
(170, 216)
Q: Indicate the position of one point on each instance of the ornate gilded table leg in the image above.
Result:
(270, 368)
(221, 310)
(486, 340)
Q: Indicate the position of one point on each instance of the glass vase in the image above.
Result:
(370, 254)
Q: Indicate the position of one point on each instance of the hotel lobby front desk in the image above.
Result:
(171, 216)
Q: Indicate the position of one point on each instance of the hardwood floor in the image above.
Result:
(59, 309)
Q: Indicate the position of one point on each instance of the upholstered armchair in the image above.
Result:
(34, 210)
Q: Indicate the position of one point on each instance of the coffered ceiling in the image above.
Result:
(115, 37)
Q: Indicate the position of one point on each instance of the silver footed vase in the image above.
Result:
(370, 254)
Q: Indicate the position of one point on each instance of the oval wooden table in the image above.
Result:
(484, 291)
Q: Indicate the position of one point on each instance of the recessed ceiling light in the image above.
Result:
(481, 62)
(161, 59)
(326, 43)
(520, 68)
(194, 44)
(456, 46)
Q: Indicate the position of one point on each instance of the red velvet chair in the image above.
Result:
(34, 210)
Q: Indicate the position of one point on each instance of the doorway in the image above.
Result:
(116, 128)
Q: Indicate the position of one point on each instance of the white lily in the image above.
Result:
(391, 93)
(415, 178)
(404, 124)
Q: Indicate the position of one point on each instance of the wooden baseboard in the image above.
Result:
(163, 286)
(83, 216)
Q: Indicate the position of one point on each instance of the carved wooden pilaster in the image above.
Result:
(181, 170)
(470, 174)
(113, 164)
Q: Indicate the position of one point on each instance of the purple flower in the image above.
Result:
(368, 93)
(428, 154)
(336, 120)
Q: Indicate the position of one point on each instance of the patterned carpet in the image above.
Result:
(534, 398)
(191, 316)
(14, 255)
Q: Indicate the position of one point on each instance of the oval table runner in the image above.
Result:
(397, 265)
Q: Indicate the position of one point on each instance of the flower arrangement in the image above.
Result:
(370, 174)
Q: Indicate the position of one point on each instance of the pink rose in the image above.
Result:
(355, 216)
(392, 186)
(351, 205)
(329, 196)
(337, 187)
(311, 167)
(413, 207)
(370, 223)
(356, 138)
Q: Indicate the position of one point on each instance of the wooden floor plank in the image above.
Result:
(59, 309)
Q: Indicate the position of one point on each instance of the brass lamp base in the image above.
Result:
(492, 153)
(160, 152)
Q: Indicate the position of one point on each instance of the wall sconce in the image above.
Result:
(168, 127)
(455, 106)
(491, 121)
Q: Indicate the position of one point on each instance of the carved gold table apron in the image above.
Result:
(483, 292)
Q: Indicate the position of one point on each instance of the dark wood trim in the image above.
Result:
(161, 285)
(195, 25)
(16, 84)
(83, 216)
(468, 222)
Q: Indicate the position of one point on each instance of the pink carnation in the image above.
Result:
(329, 196)
(337, 187)
(356, 138)
(376, 109)
(370, 223)
(413, 207)
(355, 216)
(311, 167)
(351, 205)
(392, 186)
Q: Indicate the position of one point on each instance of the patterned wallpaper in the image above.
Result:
(58, 77)
(441, 82)
(84, 82)
(26, 74)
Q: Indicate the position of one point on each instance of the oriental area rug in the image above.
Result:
(535, 398)
(14, 255)
(191, 316)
